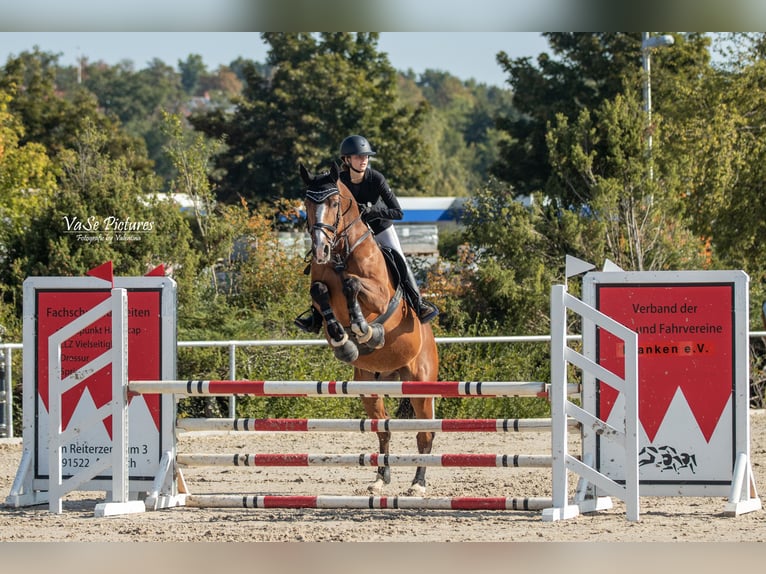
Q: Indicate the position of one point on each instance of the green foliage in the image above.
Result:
(192, 69)
(27, 184)
(129, 227)
(321, 89)
(216, 228)
(632, 215)
(584, 70)
(138, 98)
(461, 142)
(54, 119)
(494, 362)
(514, 262)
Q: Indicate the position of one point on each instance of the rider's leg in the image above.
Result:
(309, 321)
(425, 310)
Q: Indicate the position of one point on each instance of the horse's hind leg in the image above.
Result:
(375, 409)
(424, 409)
(344, 349)
(425, 368)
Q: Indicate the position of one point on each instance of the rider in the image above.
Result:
(379, 208)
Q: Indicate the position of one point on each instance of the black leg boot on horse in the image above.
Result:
(310, 321)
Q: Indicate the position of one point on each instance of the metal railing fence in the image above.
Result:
(6, 361)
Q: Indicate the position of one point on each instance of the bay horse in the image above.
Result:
(366, 318)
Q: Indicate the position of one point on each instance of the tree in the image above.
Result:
(138, 99)
(53, 118)
(321, 89)
(585, 70)
(631, 218)
(459, 129)
(717, 138)
(513, 261)
(103, 211)
(221, 87)
(192, 69)
(216, 227)
(27, 185)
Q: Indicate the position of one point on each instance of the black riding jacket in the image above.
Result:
(374, 190)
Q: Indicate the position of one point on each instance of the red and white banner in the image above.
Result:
(693, 372)
(51, 303)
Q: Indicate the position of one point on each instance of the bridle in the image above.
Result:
(335, 239)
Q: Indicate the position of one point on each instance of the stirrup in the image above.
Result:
(308, 324)
(427, 312)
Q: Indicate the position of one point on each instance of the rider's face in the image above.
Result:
(359, 162)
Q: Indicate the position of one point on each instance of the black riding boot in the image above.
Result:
(425, 310)
(309, 321)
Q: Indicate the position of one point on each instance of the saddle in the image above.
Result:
(398, 268)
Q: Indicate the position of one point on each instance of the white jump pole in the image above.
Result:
(120, 502)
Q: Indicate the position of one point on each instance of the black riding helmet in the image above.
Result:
(355, 145)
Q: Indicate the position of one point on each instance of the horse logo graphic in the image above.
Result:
(667, 458)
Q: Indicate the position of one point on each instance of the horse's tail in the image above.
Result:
(405, 410)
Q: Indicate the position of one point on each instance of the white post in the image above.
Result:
(630, 392)
(8, 381)
(561, 509)
(562, 409)
(55, 476)
(120, 503)
(232, 376)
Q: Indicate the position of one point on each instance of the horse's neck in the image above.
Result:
(353, 226)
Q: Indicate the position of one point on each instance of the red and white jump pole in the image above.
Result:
(371, 459)
(366, 502)
(367, 425)
(446, 389)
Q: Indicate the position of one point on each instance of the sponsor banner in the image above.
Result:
(55, 303)
(690, 328)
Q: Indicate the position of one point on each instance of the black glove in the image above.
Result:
(368, 212)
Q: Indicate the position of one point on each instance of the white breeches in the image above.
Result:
(389, 238)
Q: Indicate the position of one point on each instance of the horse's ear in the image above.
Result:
(305, 175)
(334, 171)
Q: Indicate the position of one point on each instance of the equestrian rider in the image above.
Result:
(379, 208)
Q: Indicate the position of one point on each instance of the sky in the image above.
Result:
(466, 55)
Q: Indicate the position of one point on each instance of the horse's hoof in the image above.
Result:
(376, 488)
(416, 490)
(361, 332)
(378, 339)
(339, 342)
(348, 353)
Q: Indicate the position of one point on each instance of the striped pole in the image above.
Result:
(355, 388)
(371, 459)
(366, 502)
(368, 425)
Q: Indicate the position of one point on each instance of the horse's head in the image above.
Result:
(324, 199)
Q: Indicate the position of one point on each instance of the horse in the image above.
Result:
(366, 318)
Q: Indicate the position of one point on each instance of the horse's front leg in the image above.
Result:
(372, 336)
(344, 349)
(375, 409)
